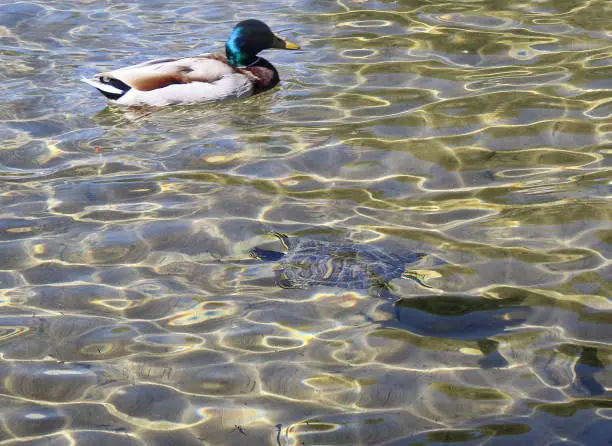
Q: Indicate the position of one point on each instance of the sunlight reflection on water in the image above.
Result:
(473, 132)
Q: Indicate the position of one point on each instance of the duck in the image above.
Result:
(199, 79)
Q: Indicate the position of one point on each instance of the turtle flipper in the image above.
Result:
(266, 255)
(420, 276)
(285, 282)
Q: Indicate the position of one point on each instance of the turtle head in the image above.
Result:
(283, 239)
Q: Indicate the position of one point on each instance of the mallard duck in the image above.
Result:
(205, 78)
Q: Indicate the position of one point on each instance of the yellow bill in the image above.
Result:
(283, 44)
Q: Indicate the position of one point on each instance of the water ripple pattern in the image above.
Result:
(478, 133)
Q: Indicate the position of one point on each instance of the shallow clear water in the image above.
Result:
(476, 131)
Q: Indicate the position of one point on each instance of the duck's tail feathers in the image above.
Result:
(113, 89)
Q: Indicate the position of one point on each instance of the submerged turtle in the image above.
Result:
(308, 263)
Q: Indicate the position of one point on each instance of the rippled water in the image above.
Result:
(475, 131)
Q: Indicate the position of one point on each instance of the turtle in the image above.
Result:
(309, 262)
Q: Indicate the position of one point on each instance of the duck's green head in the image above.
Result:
(248, 38)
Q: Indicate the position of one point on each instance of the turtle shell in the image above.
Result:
(347, 265)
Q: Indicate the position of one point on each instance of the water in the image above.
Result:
(476, 132)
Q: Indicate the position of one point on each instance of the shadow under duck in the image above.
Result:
(199, 79)
(307, 263)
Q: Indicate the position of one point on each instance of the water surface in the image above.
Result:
(476, 131)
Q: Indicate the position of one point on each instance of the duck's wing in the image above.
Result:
(160, 73)
(187, 80)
